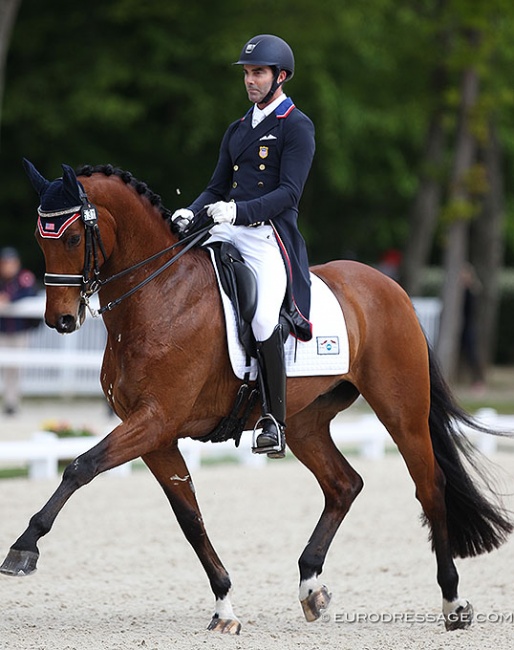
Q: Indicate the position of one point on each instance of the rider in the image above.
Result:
(252, 197)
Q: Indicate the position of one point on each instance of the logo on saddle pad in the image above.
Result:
(327, 345)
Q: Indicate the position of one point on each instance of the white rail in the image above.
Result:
(54, 364)
(364, 435)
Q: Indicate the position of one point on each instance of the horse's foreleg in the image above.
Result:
(309, 438)
(24, 553)
(171, 472)
(125, 443)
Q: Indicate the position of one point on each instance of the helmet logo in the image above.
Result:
(250, 47)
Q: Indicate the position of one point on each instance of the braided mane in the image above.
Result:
(128, 179)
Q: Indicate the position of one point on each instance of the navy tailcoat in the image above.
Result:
(264, 169)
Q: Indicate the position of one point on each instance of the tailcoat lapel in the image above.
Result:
(245, 136)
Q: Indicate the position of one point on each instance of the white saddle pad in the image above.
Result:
(327, 353)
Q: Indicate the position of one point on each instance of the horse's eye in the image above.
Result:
(73, 241)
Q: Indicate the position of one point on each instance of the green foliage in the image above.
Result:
(149, 86)
(459, 209)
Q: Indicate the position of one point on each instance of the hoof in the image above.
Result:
(460, 619)
(19, 563)
(314, 605)
(224, 625)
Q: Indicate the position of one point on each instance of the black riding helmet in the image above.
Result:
(266, 49)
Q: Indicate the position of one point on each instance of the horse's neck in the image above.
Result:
(139, 238)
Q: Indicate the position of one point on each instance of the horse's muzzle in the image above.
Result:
(68, 323)
(65, 324)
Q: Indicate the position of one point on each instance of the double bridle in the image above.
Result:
(89, 281)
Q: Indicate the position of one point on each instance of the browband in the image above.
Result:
(58, 213)
(51, 225)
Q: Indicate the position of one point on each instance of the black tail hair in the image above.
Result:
(476, 524)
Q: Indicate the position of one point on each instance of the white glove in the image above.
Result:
(183, 213)
(182, 219)
(222, 212)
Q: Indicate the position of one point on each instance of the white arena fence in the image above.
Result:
(56, 364)
(365, 436)
(52, 363)
(428, 311)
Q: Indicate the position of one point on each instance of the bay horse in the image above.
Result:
(167, 375)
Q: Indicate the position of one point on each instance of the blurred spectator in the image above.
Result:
(390, 263)
(469, 337)
(15, 283)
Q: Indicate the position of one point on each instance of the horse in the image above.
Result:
(167, 375)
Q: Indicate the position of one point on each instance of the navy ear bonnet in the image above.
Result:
(60, 200)
(56, 195)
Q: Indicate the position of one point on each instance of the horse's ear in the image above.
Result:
(39, 183)
(70, 183)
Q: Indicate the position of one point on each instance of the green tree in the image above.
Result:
(148, 86)
(8, 12)
(461, 185)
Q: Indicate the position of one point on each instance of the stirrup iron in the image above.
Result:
(273, 451)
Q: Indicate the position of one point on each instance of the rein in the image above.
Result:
(191, 239)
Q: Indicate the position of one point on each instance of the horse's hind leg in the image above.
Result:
(171, 472)
(407, 420)
(309, 439)
(430, 491)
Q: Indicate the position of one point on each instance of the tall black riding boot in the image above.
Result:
(272, 379)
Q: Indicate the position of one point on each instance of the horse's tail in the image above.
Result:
(476, 523)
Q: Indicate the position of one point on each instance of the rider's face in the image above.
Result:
(258, 80)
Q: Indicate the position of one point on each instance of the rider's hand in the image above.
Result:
(182, 219)
(222, 211)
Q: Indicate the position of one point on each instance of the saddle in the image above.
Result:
(240, 285)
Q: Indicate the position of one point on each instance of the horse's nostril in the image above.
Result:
(66, 324)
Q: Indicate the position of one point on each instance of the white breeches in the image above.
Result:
(261, 253)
